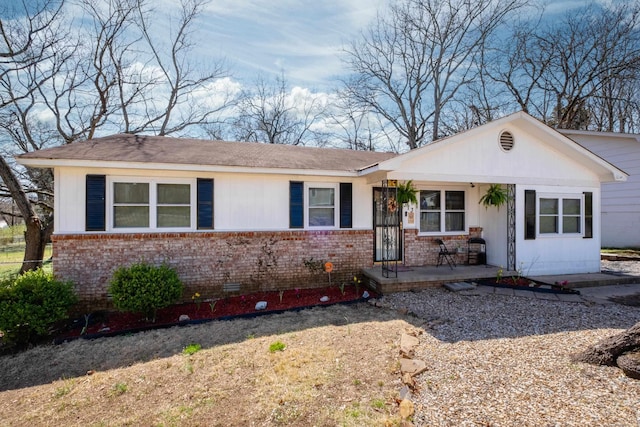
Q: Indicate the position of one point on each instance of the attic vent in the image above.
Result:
(506, 141)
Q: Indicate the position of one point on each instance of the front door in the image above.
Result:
(387, 235)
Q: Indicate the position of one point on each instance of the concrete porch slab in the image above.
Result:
(415, 278)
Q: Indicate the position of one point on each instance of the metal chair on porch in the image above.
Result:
(444, 255)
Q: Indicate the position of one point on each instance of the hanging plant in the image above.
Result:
(495, 196)
(406, 193)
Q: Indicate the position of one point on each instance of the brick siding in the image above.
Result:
(205, 262)
(423, 250)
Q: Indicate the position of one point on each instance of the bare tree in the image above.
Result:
(555, 71)
(30, 54)
(181, 108)
(112, 75)
(353, 123)
(273, 114)
(413, 61)
(616, 105)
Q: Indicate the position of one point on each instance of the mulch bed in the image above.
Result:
(111, 323)
(527, 285)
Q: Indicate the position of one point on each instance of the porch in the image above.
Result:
(415, 278)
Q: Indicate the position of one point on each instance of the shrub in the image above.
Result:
(31, 303)
(145, 288)
(191, 349)
(277, 346)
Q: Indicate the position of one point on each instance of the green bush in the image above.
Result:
(31, 303)
(145, 288)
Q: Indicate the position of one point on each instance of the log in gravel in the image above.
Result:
(630, 364)
(607, 351)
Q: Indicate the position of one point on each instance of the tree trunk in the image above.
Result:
(607, 351)
(36, 236)
(35, 242)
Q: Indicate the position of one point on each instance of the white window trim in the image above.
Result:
(560, 197)
(153, 203)
(443, 211)
(336, 205)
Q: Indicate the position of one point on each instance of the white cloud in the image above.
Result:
(216, 94)
(554, 8)
(304, 39)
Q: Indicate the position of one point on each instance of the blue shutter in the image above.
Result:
(205, 204)
(346, 205)
(296, 204)
(588, 215)
(529, 214)
(95, 203)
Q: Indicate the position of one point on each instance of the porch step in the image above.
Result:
(459, 286)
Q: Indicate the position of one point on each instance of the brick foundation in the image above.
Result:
(205, 262)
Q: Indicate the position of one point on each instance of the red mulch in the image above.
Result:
(115, 322)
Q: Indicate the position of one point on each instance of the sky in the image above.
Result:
(301, 38)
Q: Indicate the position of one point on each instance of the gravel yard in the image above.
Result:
(492, 360)
(506, 361)
(626, 267)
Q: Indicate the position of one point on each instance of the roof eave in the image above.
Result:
(94, 164)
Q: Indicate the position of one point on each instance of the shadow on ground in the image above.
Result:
(447, 316)
(46, 363)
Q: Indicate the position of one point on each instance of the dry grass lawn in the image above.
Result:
(339, 367)
(491, 360)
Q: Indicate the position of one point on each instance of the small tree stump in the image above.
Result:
(608, 350)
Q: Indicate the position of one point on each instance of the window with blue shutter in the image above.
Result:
(95, 203)
(296, 204)
(205, 204)
(346, 205)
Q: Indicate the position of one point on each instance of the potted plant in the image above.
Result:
(406, 193)
(495, 196)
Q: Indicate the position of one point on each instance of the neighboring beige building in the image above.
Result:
(620, 201)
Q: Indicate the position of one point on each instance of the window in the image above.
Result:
(436, 218)
(571, 215)
(322, 207)
(560, 215)
(174, 205)
(548, 215)
(430, 211)
(136, 204)
(155, 204)
(130, 205)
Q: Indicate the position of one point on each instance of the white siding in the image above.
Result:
(494, 231)
(242, 202)
(558, 254)
(481, 160)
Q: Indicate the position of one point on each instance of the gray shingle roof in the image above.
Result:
(160, 149)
